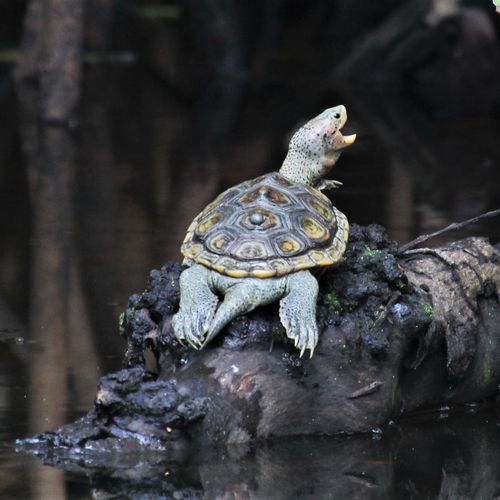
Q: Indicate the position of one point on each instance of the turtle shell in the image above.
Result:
(268, 226)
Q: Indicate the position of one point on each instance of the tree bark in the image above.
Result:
(51, 55)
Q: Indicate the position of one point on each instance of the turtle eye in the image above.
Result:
(336, 115)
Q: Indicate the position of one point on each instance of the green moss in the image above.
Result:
(427, 308)
(334, 301)
(369, 252)
(121, 323)
(401, 285)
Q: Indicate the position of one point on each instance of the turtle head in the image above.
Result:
(315, 147)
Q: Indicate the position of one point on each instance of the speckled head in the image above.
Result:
(315, 147)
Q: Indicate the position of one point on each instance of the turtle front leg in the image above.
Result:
(197, 306)
(327, 185)
(298, 311)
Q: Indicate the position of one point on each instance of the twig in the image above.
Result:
(451, 227)
(366, 390)
(383, 315)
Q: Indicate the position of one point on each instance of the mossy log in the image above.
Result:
(399, 333)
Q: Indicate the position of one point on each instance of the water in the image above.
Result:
(86, 214)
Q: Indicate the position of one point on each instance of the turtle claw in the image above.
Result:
(189, 330)
(328, 184)
(193, 343)
(195, 338)
(304, 336)
(196, 309)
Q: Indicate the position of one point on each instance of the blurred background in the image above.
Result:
(121, 119)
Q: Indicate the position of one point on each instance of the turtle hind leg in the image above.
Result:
(242, 296)
(298, 311)
(197, 306)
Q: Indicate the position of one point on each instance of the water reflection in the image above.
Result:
(455, 458)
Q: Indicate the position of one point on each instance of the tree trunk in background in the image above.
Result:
(59, 322)
(51, 55)
(99, 18)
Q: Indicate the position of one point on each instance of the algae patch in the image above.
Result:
(334, 301)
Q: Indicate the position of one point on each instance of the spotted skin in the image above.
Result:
(197, 307)
(315, 147)
(197, 324)
(254, 243)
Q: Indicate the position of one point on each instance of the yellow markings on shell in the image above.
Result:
(217, 267)
(303, 265)
(219, 242)
(313, 229)
(187, 238)
(321, 209)
(289, 245)
(279, 265)
(320, 194)
(251, 250)
(337, 249)
(194, 249)
(204, 226)
(262, 273)
(325, 262)
(320, 258)
(237, 273)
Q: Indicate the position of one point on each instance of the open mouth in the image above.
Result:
(343, 141)
(348, 140)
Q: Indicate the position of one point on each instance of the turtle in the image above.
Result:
(258, 241)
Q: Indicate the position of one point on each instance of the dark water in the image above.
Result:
(85, 214)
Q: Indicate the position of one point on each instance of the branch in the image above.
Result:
(451, 227)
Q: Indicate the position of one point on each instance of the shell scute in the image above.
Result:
(288, 245)
(268, 226)
(219, 241)
(259, 219)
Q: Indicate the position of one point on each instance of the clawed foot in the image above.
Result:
(191, 327)
(298, 311)
(327, 184)
(197, 307)
(304, 334)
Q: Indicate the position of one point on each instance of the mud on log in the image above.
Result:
(399, 333)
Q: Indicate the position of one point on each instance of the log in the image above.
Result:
(400, 333)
